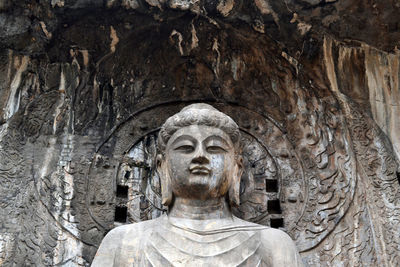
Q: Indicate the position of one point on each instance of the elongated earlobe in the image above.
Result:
(234, 189)
(166, 190)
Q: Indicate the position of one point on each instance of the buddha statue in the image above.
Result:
(200, 166)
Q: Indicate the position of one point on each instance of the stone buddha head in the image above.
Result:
(199, 155)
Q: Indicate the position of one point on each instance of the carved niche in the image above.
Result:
(302, 184)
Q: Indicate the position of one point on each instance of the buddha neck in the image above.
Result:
(197, 209)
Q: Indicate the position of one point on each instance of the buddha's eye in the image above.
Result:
(215, 149)
(185, 148)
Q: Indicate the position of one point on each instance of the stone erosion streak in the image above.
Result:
(86, 85)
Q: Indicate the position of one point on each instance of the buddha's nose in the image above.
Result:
(200, 157)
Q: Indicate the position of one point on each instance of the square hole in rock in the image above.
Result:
(121, 213)
(271, 185)
(122, 191)
(274, 207)
(398, 175)
(277, 223)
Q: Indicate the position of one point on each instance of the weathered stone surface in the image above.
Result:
(85, 86)
(199, 166)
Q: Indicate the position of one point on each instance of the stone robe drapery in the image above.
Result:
(224, 242)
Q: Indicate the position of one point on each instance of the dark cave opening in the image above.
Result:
(121, 214)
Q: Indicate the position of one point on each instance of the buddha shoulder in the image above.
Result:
(120, 246)
(131, 231)
(282, 249)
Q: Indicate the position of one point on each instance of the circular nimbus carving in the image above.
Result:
(261, 193)
(286, 184)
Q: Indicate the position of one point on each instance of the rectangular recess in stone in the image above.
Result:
(121, 213)
(122, 191)
(274, 207)
(271, 185)
(276, 222)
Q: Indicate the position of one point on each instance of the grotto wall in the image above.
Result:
(313, 84)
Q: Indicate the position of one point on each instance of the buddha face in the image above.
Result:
(200, 161)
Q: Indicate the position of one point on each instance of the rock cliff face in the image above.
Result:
(313, 84)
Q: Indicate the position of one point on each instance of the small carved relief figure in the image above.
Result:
(200, 166)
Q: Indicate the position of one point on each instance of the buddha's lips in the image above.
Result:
(199, 170)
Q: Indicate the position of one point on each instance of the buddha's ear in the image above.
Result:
(234, 189)
(163, 173)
